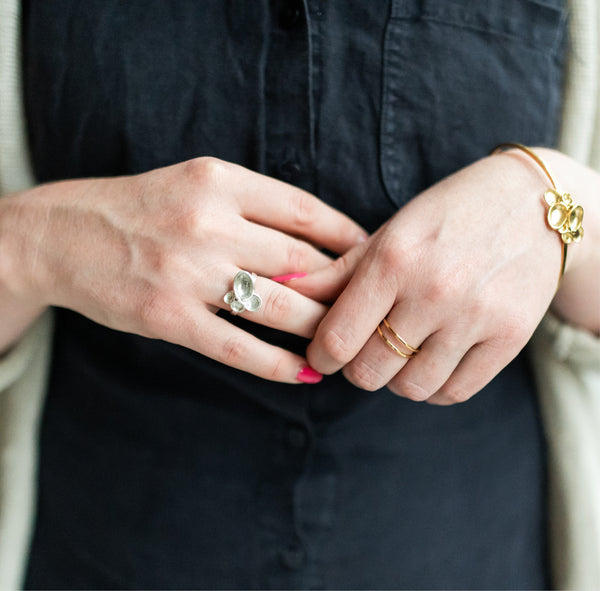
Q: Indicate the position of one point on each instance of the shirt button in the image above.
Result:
(289, 171)
(297, 437)
(292, 558)
(290, 15)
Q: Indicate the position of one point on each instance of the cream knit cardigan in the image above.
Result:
(567, 361)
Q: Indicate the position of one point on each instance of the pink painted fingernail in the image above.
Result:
(289, 277)
(309, 376)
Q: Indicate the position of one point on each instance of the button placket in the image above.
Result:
(288, 131)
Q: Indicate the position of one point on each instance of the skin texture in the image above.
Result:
(465, 271)
(154, 255)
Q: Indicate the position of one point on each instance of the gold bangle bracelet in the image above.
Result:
(563, 216)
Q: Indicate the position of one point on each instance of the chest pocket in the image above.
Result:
(461, 76)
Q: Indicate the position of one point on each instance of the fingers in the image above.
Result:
(220, 340)
(477, 368)
(430, 369)
(352, 319)
(328, 282)
(276, 204)
(415, 378)
(445, 371)
(269, 252)
(282, 308)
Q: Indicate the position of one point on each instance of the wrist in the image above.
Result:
(584, 186)
(20, 237)
(19, 306)
(573, 188)
(577, 300)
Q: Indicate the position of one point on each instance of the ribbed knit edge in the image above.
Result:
(15, 167)
(20, 409)
(567, 371)
(594, 159)
(578, 136)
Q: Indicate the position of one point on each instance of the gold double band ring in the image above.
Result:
(412, 351)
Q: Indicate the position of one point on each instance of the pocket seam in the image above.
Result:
(551, 48)
(412, 11)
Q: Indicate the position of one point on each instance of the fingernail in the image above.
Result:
(309, 376)
(284, 278)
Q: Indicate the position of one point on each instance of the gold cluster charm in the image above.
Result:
(564, 216)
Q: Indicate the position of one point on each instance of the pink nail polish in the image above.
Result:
(284, 278)
(309, 376)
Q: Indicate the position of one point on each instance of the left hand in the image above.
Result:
(465, 271)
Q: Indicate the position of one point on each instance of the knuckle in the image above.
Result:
(278, 306)
(455, 394)
(515, 328)
(408, 389)
(343, 265)
(275, 371)
(205, 171)
(395, 251)
(444, 288)
(233, 352)
(303, 209)
(151, 312)
(364, 376)
(297, 255)
(199, 214)
(479, 308)
(389, 255)
(336, 347)
(193, 223)
(508, 331)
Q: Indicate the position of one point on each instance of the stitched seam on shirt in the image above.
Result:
(464, 26)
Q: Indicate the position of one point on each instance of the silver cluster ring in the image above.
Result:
(242, 297)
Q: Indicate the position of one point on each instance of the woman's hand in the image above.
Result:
(154, 254)
(465, 272)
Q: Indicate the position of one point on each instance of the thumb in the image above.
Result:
(326, 284)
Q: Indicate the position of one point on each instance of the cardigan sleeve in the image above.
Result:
(23, 377)
(566, 363)
(15, 362)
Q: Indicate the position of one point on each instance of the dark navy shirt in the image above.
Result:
(164, 469)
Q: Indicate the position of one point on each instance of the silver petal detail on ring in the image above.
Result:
(243, 285)
(243, 297)
(253, 303)
(237, 306)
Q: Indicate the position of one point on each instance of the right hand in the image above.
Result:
(154, 254)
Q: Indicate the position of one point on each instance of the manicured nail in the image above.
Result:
(309, 376)
(284, 278)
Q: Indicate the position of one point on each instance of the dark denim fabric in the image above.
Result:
(163, 469)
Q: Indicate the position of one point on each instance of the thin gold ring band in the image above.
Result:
(412, 349)
(392, 346)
